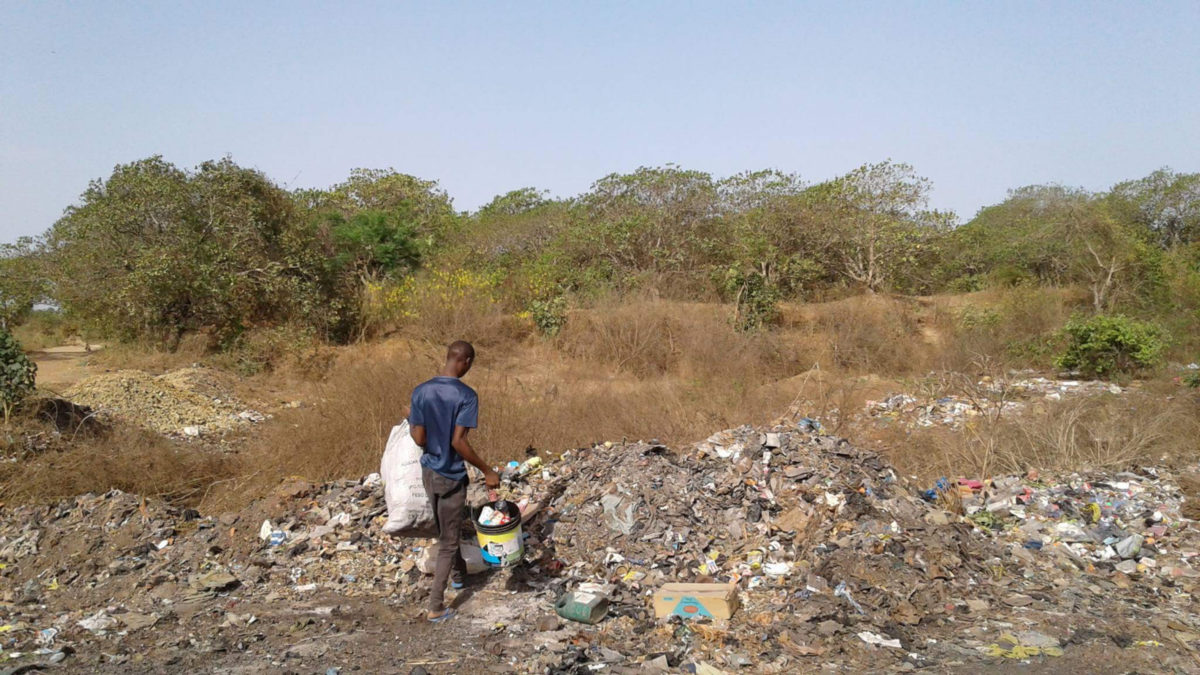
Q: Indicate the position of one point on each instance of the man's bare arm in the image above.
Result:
(463, 447)
(417, 431)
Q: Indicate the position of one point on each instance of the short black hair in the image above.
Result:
(460, 350)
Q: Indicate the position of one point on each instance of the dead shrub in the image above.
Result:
(153, 357)
(343, 432)
(632, 338)
(473, 315)
(527, 399)
(554, 413)
(833, 401)
(292, 349)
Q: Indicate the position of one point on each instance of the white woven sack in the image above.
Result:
(409, 512)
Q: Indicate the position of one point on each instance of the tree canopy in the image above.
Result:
(157, 251)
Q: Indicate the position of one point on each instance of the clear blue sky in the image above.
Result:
(488, 97)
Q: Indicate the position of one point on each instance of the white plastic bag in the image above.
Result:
(409, 512)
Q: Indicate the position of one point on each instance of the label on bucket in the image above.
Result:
(502, 551)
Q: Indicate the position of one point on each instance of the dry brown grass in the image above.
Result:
(1015, 327)
(124, 458)
(650, 338)
(152, 357)
(642, 368)
(869, 334)
(472, 314)
(531, 397)
(1097, 432)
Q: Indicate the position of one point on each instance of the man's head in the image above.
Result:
(459, 357)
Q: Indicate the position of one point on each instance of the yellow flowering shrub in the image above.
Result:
(436, 296)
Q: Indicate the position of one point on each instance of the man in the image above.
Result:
(443, 411)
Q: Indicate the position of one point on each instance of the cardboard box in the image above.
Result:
(690, 601)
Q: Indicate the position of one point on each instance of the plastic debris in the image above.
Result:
(820, 540)
(879, 640)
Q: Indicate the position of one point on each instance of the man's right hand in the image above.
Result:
(491, 479)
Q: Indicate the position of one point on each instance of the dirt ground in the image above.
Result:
(62, 366)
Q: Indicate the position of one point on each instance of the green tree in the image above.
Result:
(1057, 235)
(421, 203)
(875, 221)
(154, 251)
(770, 225)
(374, 244)
(514, 203)
(108, 255)
(22, 280)
(654, 219)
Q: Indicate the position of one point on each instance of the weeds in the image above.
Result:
(1104, 346)
(1017, 327)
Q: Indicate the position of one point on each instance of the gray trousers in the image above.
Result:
(448, 498)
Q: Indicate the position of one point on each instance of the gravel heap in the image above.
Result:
(187, 403)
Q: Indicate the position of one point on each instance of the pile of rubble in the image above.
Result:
(994, 397)
(184, 403)
(832, 562)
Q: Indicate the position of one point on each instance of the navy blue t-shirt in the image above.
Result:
(439, 405)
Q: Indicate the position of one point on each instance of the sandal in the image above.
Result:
(444, 616)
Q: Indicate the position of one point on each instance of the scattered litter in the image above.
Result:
(1011, 647)
(98, 622)
(754, 551)
(995, 397)
(878, 640)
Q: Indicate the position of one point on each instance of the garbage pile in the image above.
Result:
(1132, 524)
(993, 397)
(775, 549)
(184, 403)
(822, 543)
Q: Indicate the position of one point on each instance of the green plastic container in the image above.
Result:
(582, 607)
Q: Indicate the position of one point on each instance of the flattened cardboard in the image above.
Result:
(690, 601)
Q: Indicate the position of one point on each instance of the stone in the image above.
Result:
(829, 628)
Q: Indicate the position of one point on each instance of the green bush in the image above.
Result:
(17, 373)
(549, 315)
(1104, 345)
(756, 300)
(1192, 379)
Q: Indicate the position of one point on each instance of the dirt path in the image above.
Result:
(62, 366)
